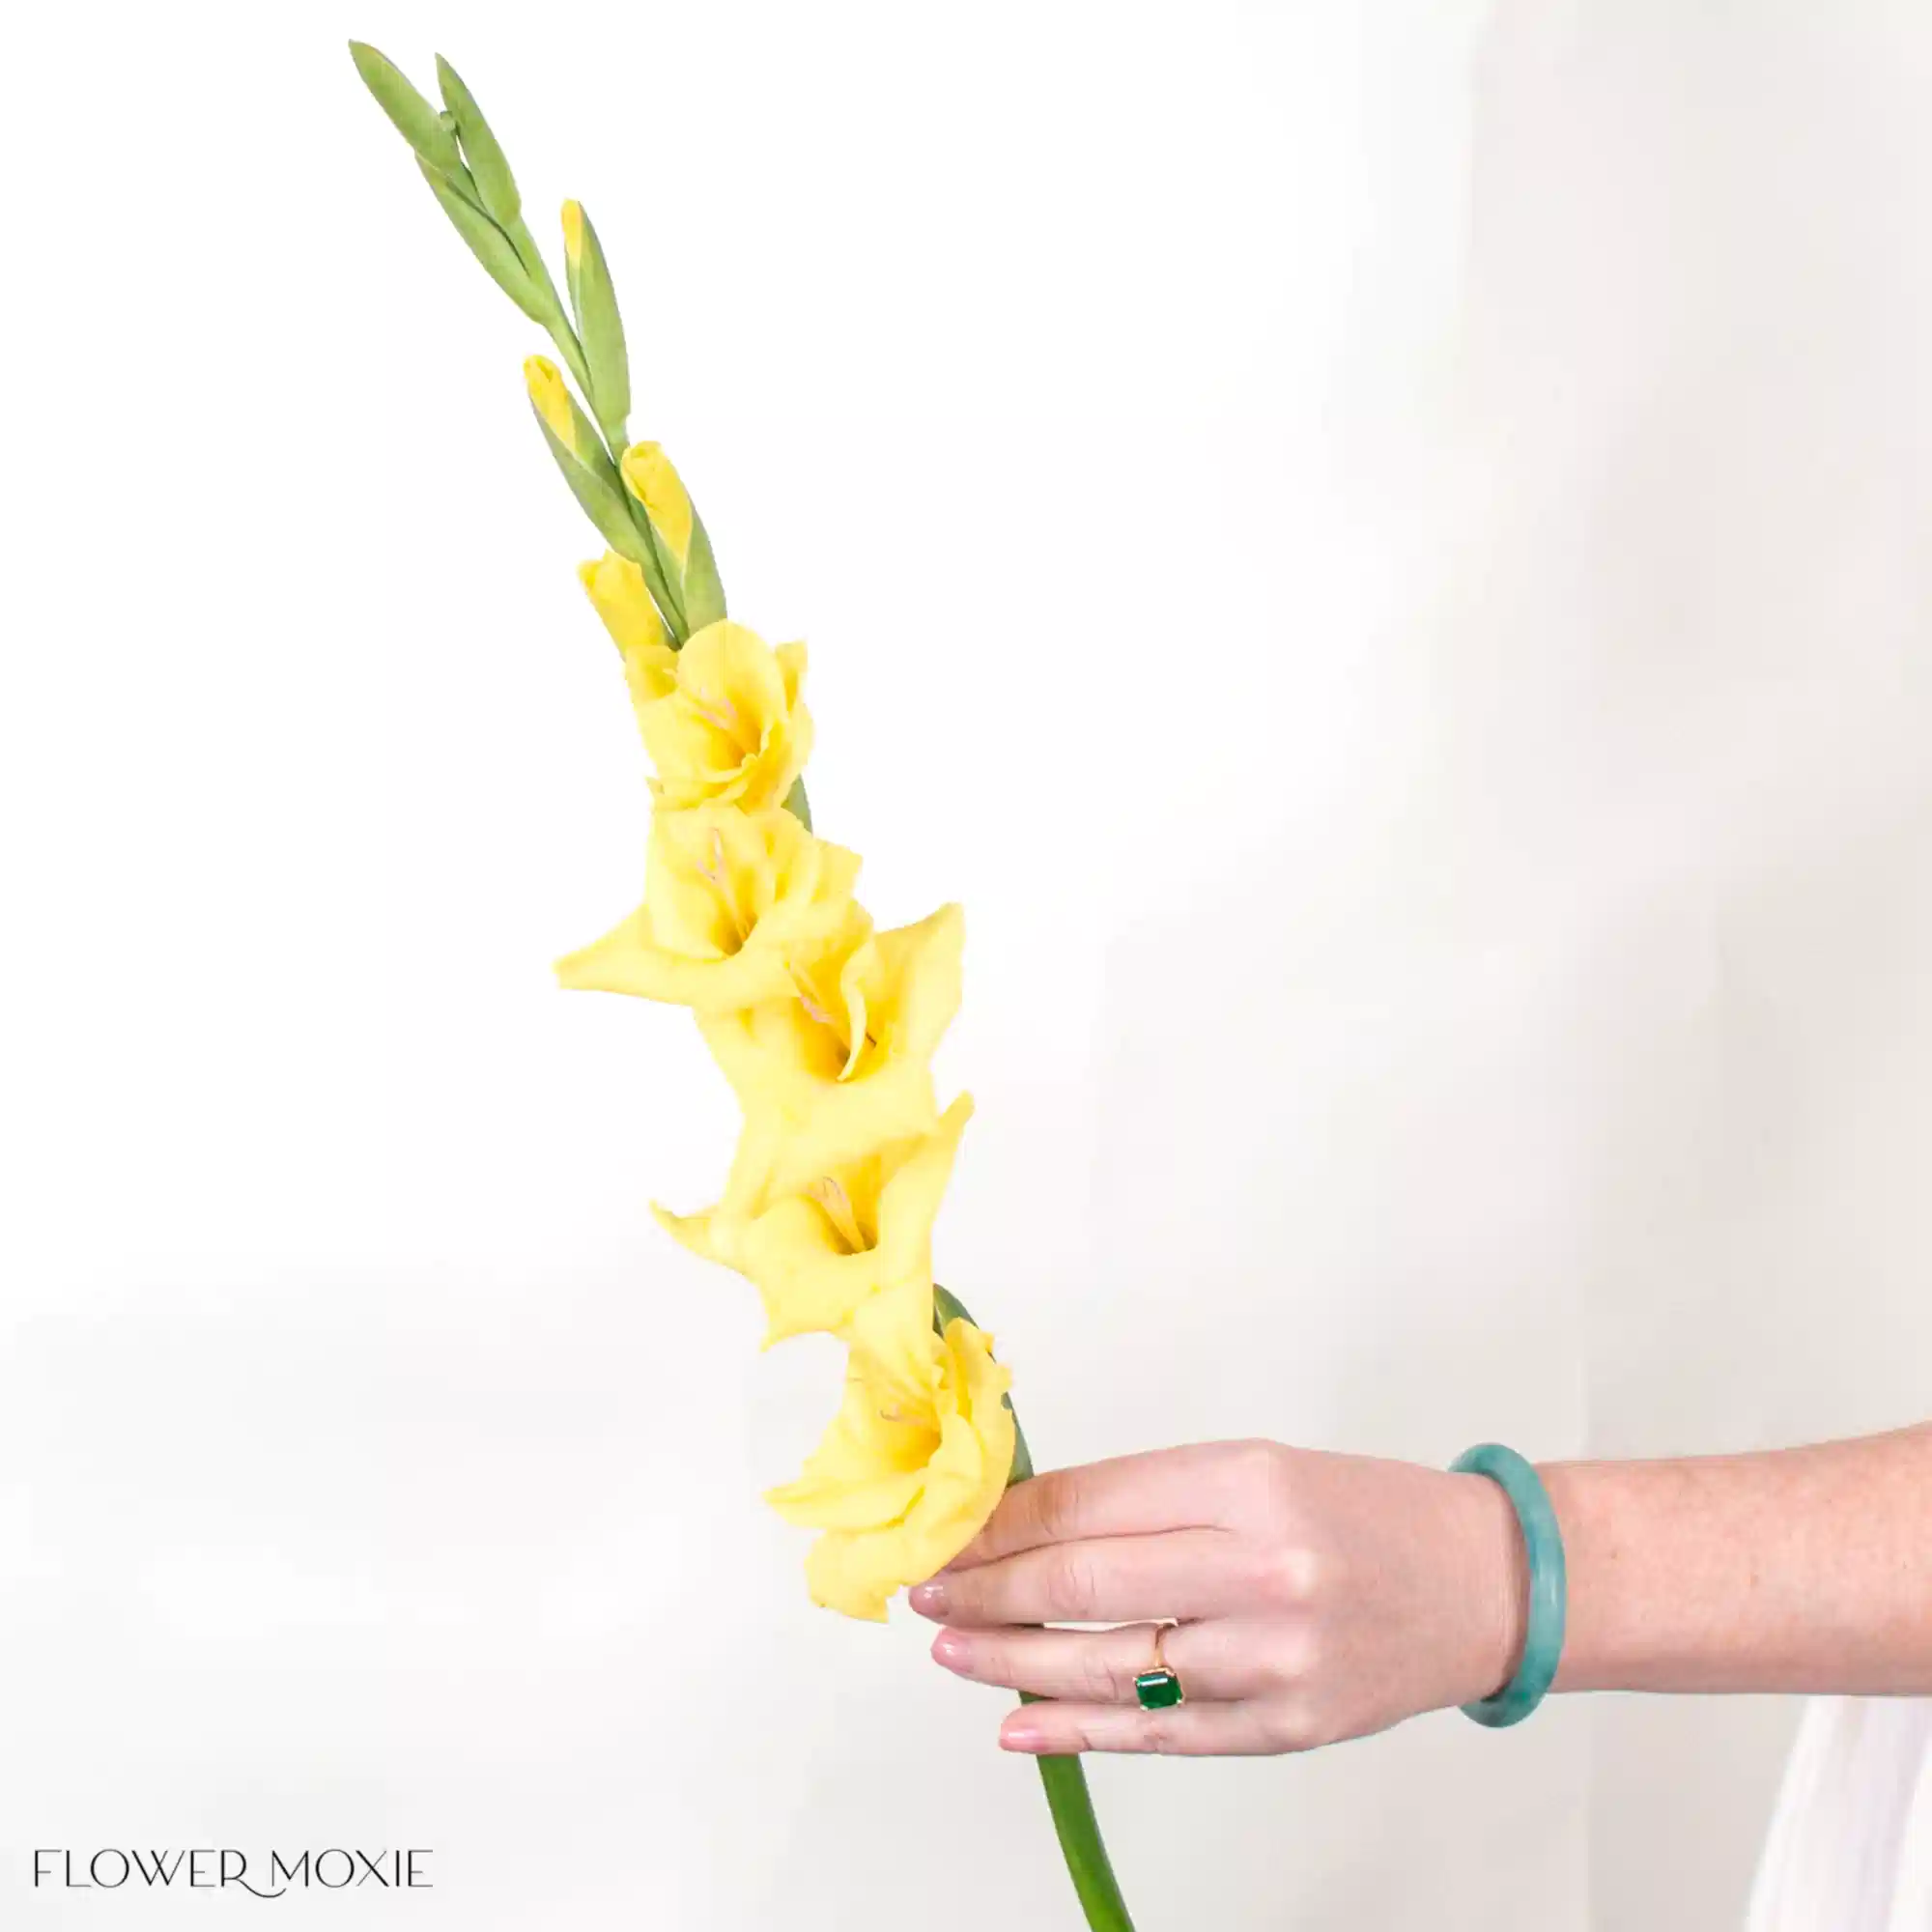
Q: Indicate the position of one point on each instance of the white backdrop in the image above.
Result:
(1377, 549)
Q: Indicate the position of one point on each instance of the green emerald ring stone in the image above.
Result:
(1159, 1689)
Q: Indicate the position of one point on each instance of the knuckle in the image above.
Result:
(1161, 1732)
(1055, 1503)
(1294, 1657)
(1101, 1677)
(1068, 1582)
(1286, 1573)
(1255, 1467)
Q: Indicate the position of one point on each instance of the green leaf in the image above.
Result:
(799, 805)
(704, 593)
(416, 120)
(594, 304)
(495, 183)
(488, 244)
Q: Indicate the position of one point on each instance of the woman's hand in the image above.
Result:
(1319, 1597)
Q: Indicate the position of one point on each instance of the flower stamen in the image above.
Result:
(720, 880)
(838, 1211)
(716, 711)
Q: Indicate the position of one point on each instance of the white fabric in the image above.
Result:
(1850, 1848)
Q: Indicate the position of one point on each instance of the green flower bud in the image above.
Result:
(417, 121)
(678, 530)
(488, 244)
(496, 185)
(594, 304)
(580, 455)
(557, 411)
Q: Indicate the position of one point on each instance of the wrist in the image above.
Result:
(1493, 1584)
(1610, 1623)
(1633, 1545)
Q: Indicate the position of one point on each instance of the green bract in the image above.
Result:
(495, 184)
(417, 121)
(593, 301)
(704, 593)
(488, 244)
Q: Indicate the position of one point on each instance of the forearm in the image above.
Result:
(1794, 1570)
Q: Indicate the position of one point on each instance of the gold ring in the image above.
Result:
(1158, 1688)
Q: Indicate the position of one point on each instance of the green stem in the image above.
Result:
(567, 346)
(1068, 1798)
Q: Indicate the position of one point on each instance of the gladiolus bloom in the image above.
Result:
(734, 902)
(730, 725)
(818, 1253)
(913, 1462)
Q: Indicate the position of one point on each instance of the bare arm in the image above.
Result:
(1790, 1569)
(1321, 1597)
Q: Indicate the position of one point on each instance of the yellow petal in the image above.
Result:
(721, 879)
(895, 1348)
(544, 381)
(869, 1469)
(654, 481)
(913, 1189)
(855, 1575)
(820, 1250)
(913, 1464)
(732, 729)
(627, 960)
(718, 1233)
(920, 982)
(782, 1063)
(736, 904)
(615, 587)
(692, 1230)
(846, 1071)
(791, 670)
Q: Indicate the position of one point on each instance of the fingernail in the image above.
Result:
(951, 1649)
(1021, 1738)
(928, 1600)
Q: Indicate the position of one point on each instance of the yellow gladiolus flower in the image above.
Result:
(732, 899)
(820, 1252)
(551, 397)
(652, 478)
(615, 587)
(731, 725)
(915, 1461)
(841, 1068)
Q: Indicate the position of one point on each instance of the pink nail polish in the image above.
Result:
(1022, 1738)
(951, 1649)
(928, 1600)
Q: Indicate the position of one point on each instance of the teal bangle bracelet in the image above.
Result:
(1542, 1640)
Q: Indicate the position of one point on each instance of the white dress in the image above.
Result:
(1850, 1848)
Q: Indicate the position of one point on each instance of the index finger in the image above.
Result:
(1125, 1495)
